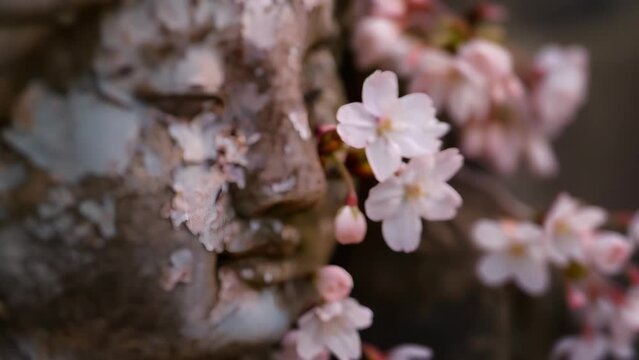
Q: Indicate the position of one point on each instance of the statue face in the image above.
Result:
(176, 204)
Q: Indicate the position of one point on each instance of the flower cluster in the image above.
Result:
(332, 326)
(390, 129)
(504, 111)
(590, 260)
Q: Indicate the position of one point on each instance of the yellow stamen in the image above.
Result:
(413, 191)
(384, 125)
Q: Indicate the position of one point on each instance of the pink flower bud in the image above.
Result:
(350, 225)
(333, 283)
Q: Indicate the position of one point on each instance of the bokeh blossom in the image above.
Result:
(389, 127)
(513, 252)
(561, 84)
(419, 191)
(333, 327)
(568, 227)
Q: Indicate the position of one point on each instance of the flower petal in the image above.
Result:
(531, 275)
(417, 129)
(308, 344)
(357, 127)
(441, 205)
(494, 269)
(345, 344)
(447, 164)
(489, 235)
(384, 158)
(359, 316)
(384, 199)
(403, 232)
(380, 92)
(589, 218)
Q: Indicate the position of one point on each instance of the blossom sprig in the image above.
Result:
(504, 114)
(392, 129)
(331, 326)
(589, 258)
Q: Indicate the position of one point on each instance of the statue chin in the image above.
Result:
(165, 199)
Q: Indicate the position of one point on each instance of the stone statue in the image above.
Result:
(160, 192)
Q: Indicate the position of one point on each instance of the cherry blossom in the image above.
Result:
(333, 283)
(410, 352)
(630, 309)
(418, 191)
(491, 60)
(333, 326)
(453, 84)
(609, 252)
(568, 226)
(514, 252)
(350, 225)
(374, 40)
(581, 348)
(561, 88)
(289, 348)
(390, 127)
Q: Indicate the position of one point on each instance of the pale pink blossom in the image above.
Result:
(410, 352)
(333, 326)
(496, 142)
(629, 310)
(633, 228)
(594, 347)
(513, 251)
(609, 252)
(390, 127)
(289, 349)
(561, 88)
(374, 41)
(350, 225)
(454, 85)
(420, 190)
(389, 8)
(333, 283)
(568, 227)
(490, 59)
(621, 341)
(540, 155)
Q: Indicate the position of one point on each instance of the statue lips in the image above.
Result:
(264, 252)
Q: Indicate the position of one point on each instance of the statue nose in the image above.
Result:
(284, 173)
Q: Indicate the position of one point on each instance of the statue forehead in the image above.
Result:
(176, 47)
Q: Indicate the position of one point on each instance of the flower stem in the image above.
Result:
(348, 179)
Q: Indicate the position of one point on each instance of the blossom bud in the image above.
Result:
(350, 225)
(333, 283)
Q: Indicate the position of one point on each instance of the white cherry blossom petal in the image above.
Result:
(360, 316)
(384, 199)
(440, 206)
(345, 345)
(531, 275)
(403, 232)
(384, 158)
(357, 127)
(489, 235)
(494, 269)
(447, 163)
(380, 92)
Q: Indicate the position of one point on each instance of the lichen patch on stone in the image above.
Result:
(73, 136)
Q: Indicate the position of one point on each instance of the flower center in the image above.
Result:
(384, 125)
(562, 228)
(413, 191)
(517, 250)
